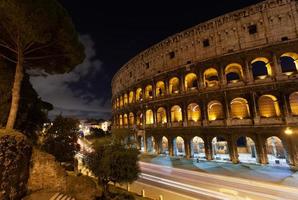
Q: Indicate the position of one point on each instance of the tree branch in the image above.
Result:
(37, 48)
(8, 47)
(44, 57)
(7, 58)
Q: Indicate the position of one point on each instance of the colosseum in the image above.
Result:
(224, 90)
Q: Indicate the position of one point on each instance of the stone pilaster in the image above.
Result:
(208, 147)
(261, 150)
(187, 148)
(233, 151)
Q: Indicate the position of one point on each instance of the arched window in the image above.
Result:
(174, 85)
(131, 118)
(193, 112)
(149, 117)
(176, 114)
(261, 68)
(160, 89)
(140, 119)
(139, 94)
(211, 77)
(239, 108)
(191, 81)
(233, 73)
(215, 111)
(118, 103)
(125, 120)
(161, 115)
(268, 106)
(289, 63)
(121, 101)
(125, 99)
(148, 92)
(294, 103)
(130, 97)
(120, 120)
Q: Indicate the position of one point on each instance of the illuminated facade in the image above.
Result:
(226, 89)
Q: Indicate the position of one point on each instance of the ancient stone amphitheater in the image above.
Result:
(224, 90)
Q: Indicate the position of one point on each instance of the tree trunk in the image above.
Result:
(105, 189)
(16, 90)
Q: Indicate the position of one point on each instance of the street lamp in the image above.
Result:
(288, 131)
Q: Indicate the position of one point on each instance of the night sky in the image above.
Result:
(113, 33)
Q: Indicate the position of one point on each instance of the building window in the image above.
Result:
(206, 43)
(172, 54)
(252, 29)
(147, 65)
(130, 74)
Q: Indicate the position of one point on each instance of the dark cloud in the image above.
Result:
(74, 94)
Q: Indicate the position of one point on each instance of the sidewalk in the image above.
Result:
(283, 176)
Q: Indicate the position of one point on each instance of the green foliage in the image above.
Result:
(113, 162)
(61, 139)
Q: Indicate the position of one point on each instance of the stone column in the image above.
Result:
(255, 108)
(184, 114)
(204, 111)
(169, 116)
(170, 146)
(276, 65)
(261, 150)
(222, 76)
(187, 148)
(285, 105)
(154, 117)
(144, 119)
(156, 145)
(201, 79)
(233, 151)
(182, 84)
(167, 87)
(145, 142)
(227, 108)
(153, 90)
(208, 147)
(248, 71)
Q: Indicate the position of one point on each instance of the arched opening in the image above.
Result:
(118, 103)
(261, 68)
(148, 92)
(139, 94)
(150, 144)
(233, 73)
(193, 112)
(276, 152)
(174, 85)
(220, 149)
(139, 119)
(176, 114)
(125, 99)
(131, 119)
(130, 97)
(120, 120)
(289, 63)
(293, 98)
(161, 115)
(179, 149)
(149, 117)
(160, 89)
(164, 149)
(121, 101)
(211, 77)
(268, 106)
(191, 82)
(125, 120)
(239, 108)
(215, 111)
(198, 148)
(246, 150)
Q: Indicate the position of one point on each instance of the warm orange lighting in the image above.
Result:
(288, 131)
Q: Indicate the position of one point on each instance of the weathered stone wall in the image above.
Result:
(46, 173)
(226, 34)
(15, 154)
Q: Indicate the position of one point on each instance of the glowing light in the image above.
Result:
(288, 131)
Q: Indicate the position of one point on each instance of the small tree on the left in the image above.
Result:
(36, 34)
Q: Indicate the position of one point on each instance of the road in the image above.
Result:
(198, 185)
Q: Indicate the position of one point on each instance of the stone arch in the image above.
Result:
(130, 97)
(268, 106)
(174, 85)
(139, 94)
(261, 68)
(211, 77)
(220, 149)
(289, 63)
(179, 146)
(234, 73)
(276, 152)
(239, 108)
(149, 116)
(161, 115)
(148, 92)
(191, 81)
(125, 119)
(193, 112)
(151, 144)
(246, 149)
(198, 148)
(160, 89)
(293, 100)
(164, 145)
(215, 110)
(131, 117)
(176, 113)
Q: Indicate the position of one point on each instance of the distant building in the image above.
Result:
(86, 125)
